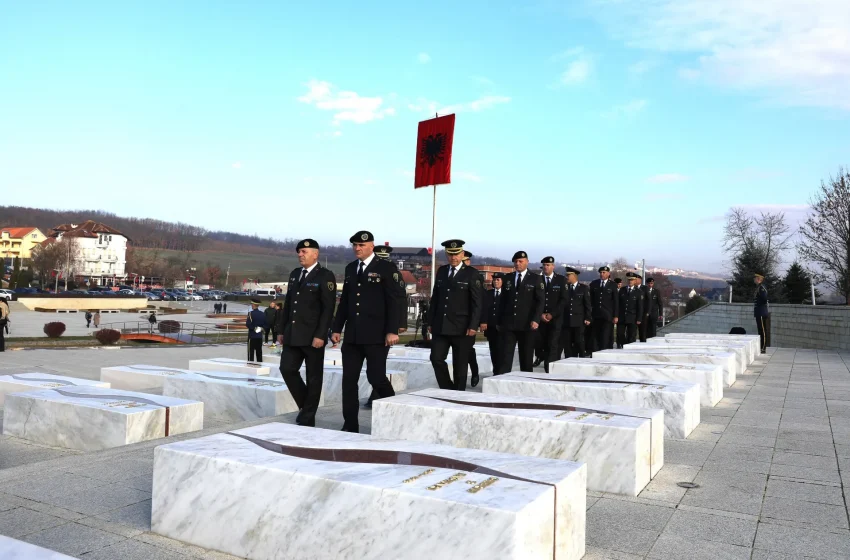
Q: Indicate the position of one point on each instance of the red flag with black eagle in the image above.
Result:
(434, 152)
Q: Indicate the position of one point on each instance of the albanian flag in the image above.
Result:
(434, 152)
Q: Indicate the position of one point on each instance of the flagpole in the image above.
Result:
(433, 240)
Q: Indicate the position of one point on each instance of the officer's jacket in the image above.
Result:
(255, 318)
(520, 305)
(489, 311)
(456, 303)
(578, 308)
(761, 307)
(368, 308)
(656, 304)
(308, 308)
(555, 296)
(631, 305)
(604, 301)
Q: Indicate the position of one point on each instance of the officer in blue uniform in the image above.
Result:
(761, 312)
(256, 323)
(473, 360)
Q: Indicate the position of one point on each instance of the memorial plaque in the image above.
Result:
(230, 365)
(728, 361)
(277, 487)
(23, 382)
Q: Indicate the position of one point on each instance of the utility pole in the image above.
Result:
(227, 277)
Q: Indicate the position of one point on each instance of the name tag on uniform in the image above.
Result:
(312, 284)
(555, 287)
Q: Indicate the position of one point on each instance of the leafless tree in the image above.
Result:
(825, 235)
(619, 268)
(767, 234)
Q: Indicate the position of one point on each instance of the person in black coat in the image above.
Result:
(368, 312)
(454, 316)
(604, 300)
(549, 334)
(488, 322)
(576, 316)
(302, 324)
(761, 312)
(631, 311)
(656, 308)
(644, 291)
(519, 314)
(473, 358)
(271, 321)
(255, 322)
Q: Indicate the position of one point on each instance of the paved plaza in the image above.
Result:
(770, 462)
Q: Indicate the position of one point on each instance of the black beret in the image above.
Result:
(648, 280)
(307, 244)
(362, 237)
(548, 260)
(571, 270)
(519, 255)
(467, 255)
(604, 269)
(498, 276)
(618, 280)
(453, 246)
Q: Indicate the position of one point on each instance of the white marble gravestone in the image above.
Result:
(728, 361)
(230, 365)
(280, 490)
(622, 446)
(11, 549)
(753, 340)
(91, 418)
(680, 401)
(743, 347)
(740, 351)
(708, 377)
(332, 383)
(22, 382)
(233, 397)
(140, 377)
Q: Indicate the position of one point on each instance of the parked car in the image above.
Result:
(196, 297)
(126, 292)
(152, 296)
(6, 294)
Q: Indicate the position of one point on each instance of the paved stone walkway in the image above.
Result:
(771, 461)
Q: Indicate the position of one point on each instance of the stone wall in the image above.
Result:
(792, 326)
(80, 303)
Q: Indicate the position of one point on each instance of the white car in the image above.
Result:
(196, 297)
(6, 294)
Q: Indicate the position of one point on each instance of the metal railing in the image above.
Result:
(205, 332)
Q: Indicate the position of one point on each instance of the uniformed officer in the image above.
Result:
(488, 322)
(619, 283)
(761, 312)
(303, 323)
(473, 358)
(255, 322)
(577, 313)
(368, 312)
(656, 308)
(604, 300)
(631, 311)
(454, 316)
(644, 292)
(549, 333)
(519, 314)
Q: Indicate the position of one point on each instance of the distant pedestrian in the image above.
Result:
(761, 312)
(271, 317)
(255, 322)
(97, 319)
(152, 320)
(216, 308)
(224, 307)
(4, 324)
(88, 319)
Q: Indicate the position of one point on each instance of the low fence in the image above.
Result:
(183, 332)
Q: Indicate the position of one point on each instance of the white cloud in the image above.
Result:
(337, 133)
(627, 110)
(407, 173)
(794, 52)
(370, 182)
(642, 67)
(346, 105)
(482, 81)
(424, 58)
(236, 165)
(775, 207)
(481, 104)
(569, 53)
(579, 68)
(466, 175)
(663, 196)
(667, 178)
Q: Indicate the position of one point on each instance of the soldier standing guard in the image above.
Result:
(656, 308)
(255, 322)
(473, 358)
(302, 325)
(761, 312)
(577, 312)
(631, 311)
(604, 300)
(549, 333)
(519, 314)
(454, 316)
(488, 322)
(368, 312)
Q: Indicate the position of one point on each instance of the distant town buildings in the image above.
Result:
(19, 241)
(97, 252)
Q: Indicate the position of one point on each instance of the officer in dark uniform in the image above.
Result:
(255, 322)
(473, 359)
(368, 312)
(303, 325)
(761, 312)
(549, 333)
(656, 308)
(488, 322)
(577, 313)
(519, 314)
(631, 311)
(604, 300)
(644, 291)
(454, 316)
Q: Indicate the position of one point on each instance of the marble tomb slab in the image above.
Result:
(728, 361)
(230, 365)
(743, 347)
(332, 381)
(622, 446)
(233, 397)
(708, 377)
(91, 418)
(11, 549)
(140, 377)
(257, 492)
(23, 382)
(680, 401)
(753, 340)
(740, 350)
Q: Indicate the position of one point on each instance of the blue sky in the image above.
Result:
(588, 129)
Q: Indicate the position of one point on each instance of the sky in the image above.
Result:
(586, 129)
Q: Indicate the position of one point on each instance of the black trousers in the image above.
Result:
(353, 356)
(2, 338)
(473, 359)
(626, 334)
(494, 341)
(602, 335)
(305, 395)
(642, 329)
(763, 325)
(549, 342)
(266, 331)
(651, 326)
(510, 341)
(573, 341)
(255, 349)
(461, 348)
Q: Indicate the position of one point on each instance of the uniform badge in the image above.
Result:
(364, 236)
(395, 276)
(478, 283)
(454, 245)
(541, 285)
(306, 243)
(401, 283)
(331, 286)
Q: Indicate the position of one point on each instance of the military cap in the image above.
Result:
(618, 280)
(307, 244)
(498, 276)
(467, 255)
(453, 246)
(520, 255)
(632, 275)
(362, 237)
(255, 301)
(650, 279)
(604, 269)
(548, 260)
(759, 275)
(383, 251)
(571, 270)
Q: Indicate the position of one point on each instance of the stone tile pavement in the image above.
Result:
(772, 460)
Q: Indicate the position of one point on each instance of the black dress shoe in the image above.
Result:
(298, 418)
(351, 430)
(537, 362)
(368, 404)
(475, 380)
